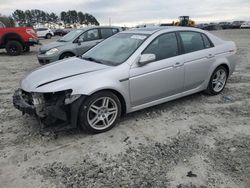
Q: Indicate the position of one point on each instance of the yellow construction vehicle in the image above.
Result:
(185, 21)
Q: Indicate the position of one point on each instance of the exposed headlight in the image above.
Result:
(71, 98)
(52, 51)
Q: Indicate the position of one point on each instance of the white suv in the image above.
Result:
(245, 25)
(44, 33)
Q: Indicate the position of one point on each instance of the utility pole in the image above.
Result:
(109, 21)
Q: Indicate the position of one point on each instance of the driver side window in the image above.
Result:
(90, 35)
(164, 46)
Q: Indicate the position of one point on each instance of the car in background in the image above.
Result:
(61, 32)
(236, 24)
(245, 25)
(225, 25)
(212, 27)
(201, 26)
(129, 71)
(75, 43)
(45, 33)
(2, 25)
(17, 40)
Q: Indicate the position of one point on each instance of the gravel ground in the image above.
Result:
(195, 142)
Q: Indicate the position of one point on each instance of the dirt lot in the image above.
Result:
(156, 147)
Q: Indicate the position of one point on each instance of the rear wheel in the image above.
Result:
(217, 81)
(100, 112)
(14, 48)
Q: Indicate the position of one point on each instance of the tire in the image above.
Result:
(217, 81)
(66, 55)
(48, 36)
(48, 121)
(97, 116)
(14, 48)
(26, 49)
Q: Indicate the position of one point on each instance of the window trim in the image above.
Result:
(177, 40)
(182, 45)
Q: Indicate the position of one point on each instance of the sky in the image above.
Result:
(134, 12)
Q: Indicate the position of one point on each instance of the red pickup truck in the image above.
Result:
(17, 40)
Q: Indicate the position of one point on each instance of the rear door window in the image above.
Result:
(115, 31)
(206, 41)
(192, 41)
(106, 32)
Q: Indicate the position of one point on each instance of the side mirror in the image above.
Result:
(146, 58)
(79, 41)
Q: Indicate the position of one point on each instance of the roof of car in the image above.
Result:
(152, 30)
(93, 27)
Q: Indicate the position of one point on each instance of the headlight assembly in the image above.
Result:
(71, 98)
(52, 51)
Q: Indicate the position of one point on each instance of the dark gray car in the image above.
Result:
(75, 43)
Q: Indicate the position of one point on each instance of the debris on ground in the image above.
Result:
(191, 174)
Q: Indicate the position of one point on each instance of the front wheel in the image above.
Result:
(66, 55)
(217, 81)
(100, 112)
(14, 48)
(48, 36)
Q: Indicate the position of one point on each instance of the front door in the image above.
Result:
(159, 79)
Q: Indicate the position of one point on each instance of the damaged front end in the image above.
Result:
(49, 108)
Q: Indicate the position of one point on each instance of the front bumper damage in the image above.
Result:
(48, 108)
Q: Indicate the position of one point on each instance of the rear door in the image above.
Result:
(89, 39)
(199, 57)
(159, 79)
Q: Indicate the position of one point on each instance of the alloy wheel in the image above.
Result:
(219, 80)
(102, 113)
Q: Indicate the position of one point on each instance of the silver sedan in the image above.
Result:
(129, 71)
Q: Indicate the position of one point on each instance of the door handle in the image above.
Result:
(178, 64)
(210, 56)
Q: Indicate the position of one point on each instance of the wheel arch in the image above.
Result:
(65, 52)
(226, 67)
(12, 36)
(120, 97)
(221, 61)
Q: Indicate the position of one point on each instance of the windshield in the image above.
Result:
(115, 50)
(71, 35)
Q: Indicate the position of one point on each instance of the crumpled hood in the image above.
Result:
(57, 71)
(51, 45)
